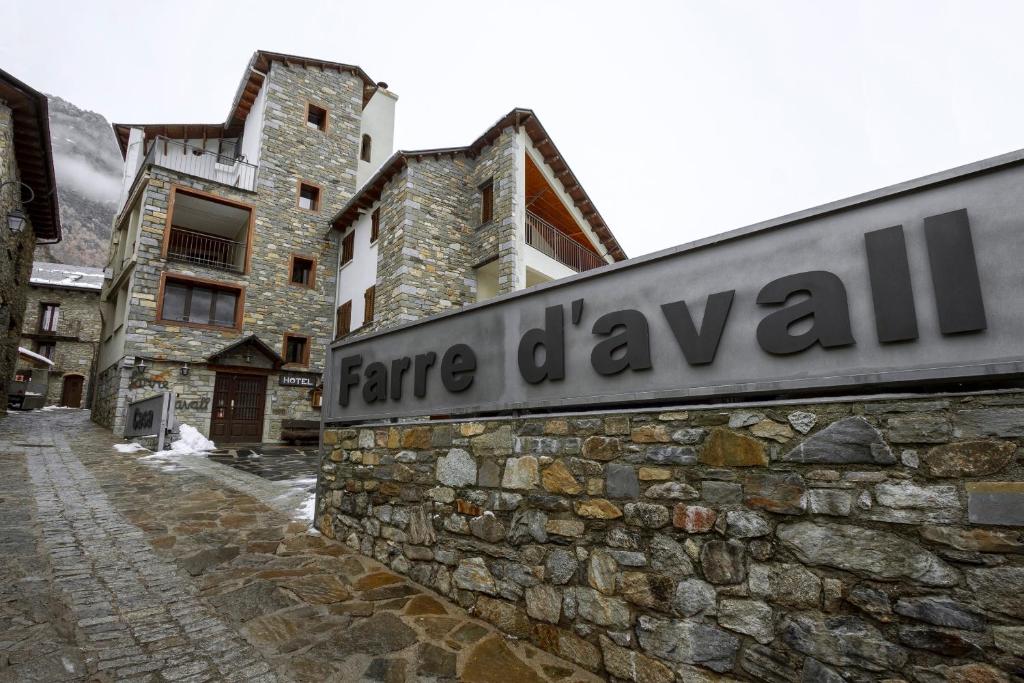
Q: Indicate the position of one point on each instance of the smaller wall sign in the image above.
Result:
(310, 380)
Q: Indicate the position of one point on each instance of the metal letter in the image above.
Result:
(423, 363)
(552, 339)
(634, 339)
(699, 348)
(955, 273)
(827, 306)
(457, 368)
(891, 290)
(376, 387)
(349, 379)
(398, 368)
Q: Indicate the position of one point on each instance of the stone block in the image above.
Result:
(977, 458)
(724, 448)
(996, 502)
(621, 481)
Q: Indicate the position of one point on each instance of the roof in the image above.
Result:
(370, 192)
(33, 356)
(66, 276)
(248, 88)
(33, 153)
(250, 340)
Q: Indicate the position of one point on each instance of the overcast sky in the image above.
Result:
(681, 119)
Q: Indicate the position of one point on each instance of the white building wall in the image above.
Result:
(133, 157)
(378, 122)
(359, 274)
(252, 132)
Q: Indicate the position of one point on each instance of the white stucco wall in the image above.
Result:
(378, 122)
(133, 157)
(359, 274)
(545, 265)
(252, 132)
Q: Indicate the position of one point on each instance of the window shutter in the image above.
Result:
(344, 319)
(486, 202)
(368, 305)
(348, 247)
(375, 225)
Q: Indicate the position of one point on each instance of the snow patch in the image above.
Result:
(129, 447)
(35, 356)
(191, 442)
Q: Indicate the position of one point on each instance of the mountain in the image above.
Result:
(88, 164)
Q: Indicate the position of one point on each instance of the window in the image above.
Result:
(46, 349)
(368, 305)
(486, 202)
(316, 117)
(364, 152)
(296, 349)
(316, 397)
(348, 247)
(309, 197)
(48, 316)
(374, 225)
(344, 320)
(303, 270)
(200, 304)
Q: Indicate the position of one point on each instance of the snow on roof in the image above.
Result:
(34, 356)
(63, 275)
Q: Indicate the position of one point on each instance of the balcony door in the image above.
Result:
(238, 403)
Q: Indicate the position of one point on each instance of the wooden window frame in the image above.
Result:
(338, 334)
(40, 343)
(250, 229)
(43, 305)
(305, 350)
(325, 110)
(218, 284)
(369, 304)
(366, 147)
(350, 237)
(486, 190)
(375, 225)
(298, 195)
(312, 271)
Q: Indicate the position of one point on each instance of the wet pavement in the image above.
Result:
(139, 568)
(276, 463)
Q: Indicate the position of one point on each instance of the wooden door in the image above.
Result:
(238, 403)
(71, 394)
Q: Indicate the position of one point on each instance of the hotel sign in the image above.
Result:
(913, 284)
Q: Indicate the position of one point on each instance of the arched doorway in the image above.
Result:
(71, 394)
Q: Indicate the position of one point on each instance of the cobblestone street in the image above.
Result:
(129, 567)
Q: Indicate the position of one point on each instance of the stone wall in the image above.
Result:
(861, 540)
(108, 403)
(15, 258)
(71, 357)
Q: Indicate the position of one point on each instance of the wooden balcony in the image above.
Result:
(552, 242)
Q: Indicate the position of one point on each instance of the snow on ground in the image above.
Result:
(47, 409)
(129, 447)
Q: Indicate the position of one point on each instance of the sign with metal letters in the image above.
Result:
(151, 416)
(309, 380)
(911, 284)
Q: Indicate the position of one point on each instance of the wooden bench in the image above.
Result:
(300, 431)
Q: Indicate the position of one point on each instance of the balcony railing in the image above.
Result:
(178, 155)
(64, 327)
(550, 241)
(206, 250)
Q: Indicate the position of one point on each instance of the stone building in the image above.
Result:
(218, 287)
(244, 248)
(440, 228)
(62, 322)
(28, 207)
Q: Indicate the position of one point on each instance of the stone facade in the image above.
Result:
(290, 152)
(75, 346)
(15, 258)
(850, 540)
(432, 237)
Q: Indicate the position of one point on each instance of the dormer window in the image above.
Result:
(364, 152)
(316, 117)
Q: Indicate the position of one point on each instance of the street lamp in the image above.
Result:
(16, 221)
(16, 218)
